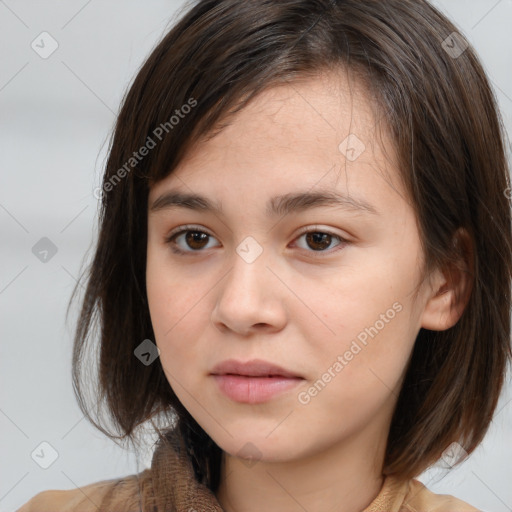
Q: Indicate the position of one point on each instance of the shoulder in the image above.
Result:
(420, 499)
(88, 498)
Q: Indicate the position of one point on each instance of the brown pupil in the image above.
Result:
(324, 239)
(196, 237)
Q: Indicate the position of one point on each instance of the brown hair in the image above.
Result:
(449, 137)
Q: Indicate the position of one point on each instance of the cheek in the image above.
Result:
(358, 304)
(169, 297)
(176, 309)
(360, 369)
(166, 307)
(366, 345)
(372, 324)
(171, 313)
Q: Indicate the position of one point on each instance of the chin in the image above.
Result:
(254, 447)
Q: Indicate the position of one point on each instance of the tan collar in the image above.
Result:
(174, 486)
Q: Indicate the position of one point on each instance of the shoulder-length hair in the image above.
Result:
(430, 91)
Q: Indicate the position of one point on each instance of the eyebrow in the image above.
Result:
(276, 206)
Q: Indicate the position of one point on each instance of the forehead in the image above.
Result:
(317, 129)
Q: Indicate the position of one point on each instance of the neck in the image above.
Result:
(345, 477)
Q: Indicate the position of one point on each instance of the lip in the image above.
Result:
(253, 368)
(253, 382)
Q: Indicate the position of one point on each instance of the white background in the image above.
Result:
(56, 115)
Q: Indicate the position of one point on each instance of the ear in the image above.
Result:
(450, 287)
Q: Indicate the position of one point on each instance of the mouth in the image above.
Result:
(253, 368)
(253, 382)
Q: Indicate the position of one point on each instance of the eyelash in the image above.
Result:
(195, 229)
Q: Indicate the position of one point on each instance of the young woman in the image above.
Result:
(303, 272)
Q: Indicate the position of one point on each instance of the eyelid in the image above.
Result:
(318, 228)
(185, 227)
(315, 228)
(306, 229)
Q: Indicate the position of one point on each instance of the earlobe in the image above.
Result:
(450, 288)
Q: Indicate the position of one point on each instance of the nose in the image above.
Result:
(250, 298)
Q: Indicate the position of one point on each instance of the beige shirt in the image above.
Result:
(394, 496)
(170, 485)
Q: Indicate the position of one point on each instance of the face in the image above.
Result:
(310, 263)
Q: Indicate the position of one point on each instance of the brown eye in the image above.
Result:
(196, 239)
(188, 241)
(318, 241)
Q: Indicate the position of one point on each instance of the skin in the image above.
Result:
(295, 305)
